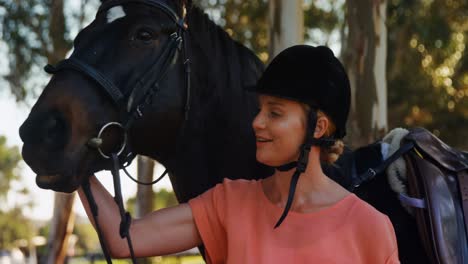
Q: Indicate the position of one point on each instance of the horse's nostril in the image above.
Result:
(51, 126)
(50, 130)
(54, 132)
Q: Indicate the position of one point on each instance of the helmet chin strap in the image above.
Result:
(301, 163)
(301, 166)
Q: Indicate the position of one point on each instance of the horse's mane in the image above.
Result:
(218, 46)
(227, 65)
(219, 131)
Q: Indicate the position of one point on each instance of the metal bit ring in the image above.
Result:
(124, 143)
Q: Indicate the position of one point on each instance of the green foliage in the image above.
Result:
(326, 18)
(245, 21)
(179, 260)
(87, 238)
(103, 261)
(14, 226)
(37, 32)
(9, 158)
(162, 199)
(24, 30)
(155, 260)
(428, 67)
(165, 198)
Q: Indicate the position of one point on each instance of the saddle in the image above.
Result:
(435, 176)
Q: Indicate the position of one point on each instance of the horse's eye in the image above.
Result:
(144, 35)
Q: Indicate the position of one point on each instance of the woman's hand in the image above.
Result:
(162, 232)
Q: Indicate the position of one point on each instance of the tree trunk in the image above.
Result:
(365, 57)
(63, 219)
(144, 197)
(57, 30)
(61, 228)
(286, 25)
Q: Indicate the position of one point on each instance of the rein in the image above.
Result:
(141, 95)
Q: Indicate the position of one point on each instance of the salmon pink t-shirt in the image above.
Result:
(236, 223)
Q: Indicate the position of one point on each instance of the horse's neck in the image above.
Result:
(220, 141)
(223, 68)
(219, 52)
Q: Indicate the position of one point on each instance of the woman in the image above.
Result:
(297, 215)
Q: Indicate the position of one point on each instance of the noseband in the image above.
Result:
(141, 95)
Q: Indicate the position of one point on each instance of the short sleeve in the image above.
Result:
(209, 219)
(375, 235)
(393, 258)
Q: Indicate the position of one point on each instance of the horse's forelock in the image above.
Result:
(181, 6)
(115, 13)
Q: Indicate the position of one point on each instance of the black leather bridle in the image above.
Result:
(131, 109)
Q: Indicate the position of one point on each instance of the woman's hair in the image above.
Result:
(329, 154)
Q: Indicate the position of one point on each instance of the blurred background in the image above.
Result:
(407, 62)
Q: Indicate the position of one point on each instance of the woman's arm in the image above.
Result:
(162, 232)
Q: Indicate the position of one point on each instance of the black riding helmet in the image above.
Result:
(314, 76)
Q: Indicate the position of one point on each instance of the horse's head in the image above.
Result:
(121, 65)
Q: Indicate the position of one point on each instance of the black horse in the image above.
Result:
(216, 139)
(130, 65)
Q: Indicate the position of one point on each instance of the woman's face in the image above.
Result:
(279, 128)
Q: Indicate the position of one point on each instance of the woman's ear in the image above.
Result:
(321, 127)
